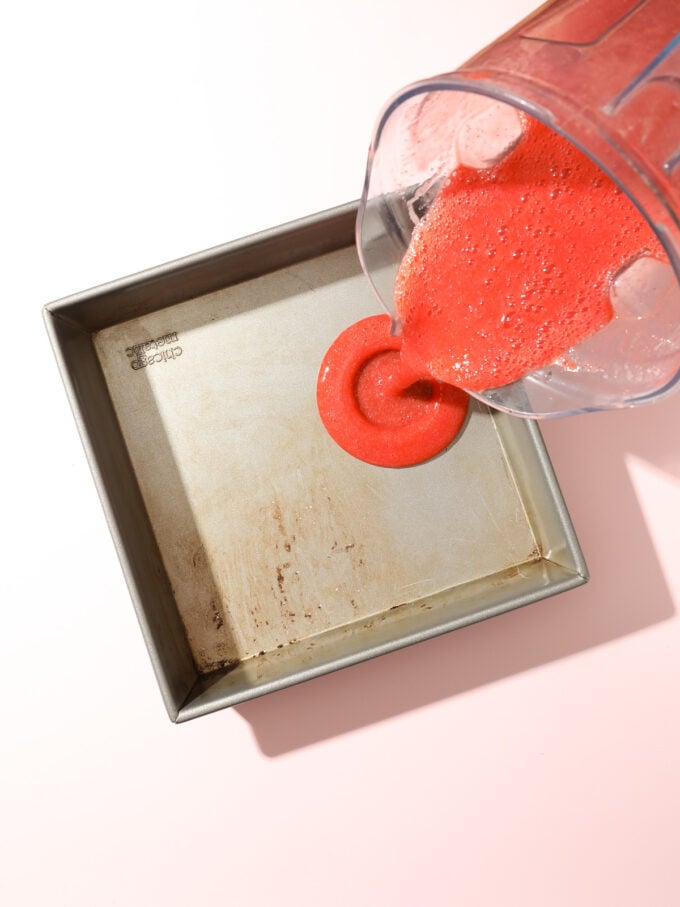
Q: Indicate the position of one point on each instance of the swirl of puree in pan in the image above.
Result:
(511, 267)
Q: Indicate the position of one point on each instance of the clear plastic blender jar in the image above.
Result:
(605, 74)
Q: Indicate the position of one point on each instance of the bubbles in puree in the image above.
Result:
(513, 265)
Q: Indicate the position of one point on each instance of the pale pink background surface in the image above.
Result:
(528, 761)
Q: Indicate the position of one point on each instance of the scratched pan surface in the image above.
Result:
(259, 554)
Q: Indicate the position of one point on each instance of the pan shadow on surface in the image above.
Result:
(627, 592)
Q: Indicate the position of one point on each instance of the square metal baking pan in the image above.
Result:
(257, 553)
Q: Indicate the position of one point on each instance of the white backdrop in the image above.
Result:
(530, 761)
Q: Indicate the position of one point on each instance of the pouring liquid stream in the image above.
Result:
(514, 266)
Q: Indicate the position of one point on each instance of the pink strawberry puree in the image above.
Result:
(377, 409)
(512, 265)
(510, 268)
